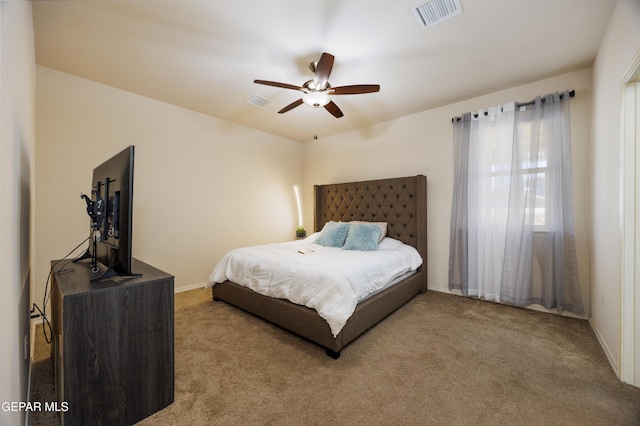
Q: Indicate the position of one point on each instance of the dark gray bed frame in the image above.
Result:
(402, 203)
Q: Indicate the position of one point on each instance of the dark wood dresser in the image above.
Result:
(112, 344)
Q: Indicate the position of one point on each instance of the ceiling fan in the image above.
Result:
(316, 92)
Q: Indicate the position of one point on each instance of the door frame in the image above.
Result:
(630, 195)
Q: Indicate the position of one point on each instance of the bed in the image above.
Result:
(401, 203)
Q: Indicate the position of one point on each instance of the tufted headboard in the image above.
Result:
(401, 202)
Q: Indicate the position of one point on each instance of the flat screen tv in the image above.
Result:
(110, 210)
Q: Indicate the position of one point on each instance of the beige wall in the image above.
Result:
(17, 116)
(423, 144)
(202, 186)
(617, 51)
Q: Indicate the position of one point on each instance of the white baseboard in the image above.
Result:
(190, 287)
(605, 348)
(439, 289)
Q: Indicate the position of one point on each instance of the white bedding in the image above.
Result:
(330, 280)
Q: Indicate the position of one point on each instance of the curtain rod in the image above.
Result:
(572, 93)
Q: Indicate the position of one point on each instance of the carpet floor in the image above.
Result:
(439, 360)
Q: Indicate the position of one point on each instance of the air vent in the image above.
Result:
(259, 101)
(433, 12)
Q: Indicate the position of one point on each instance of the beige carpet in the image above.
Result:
(439, 360)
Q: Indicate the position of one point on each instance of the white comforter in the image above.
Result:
(330, 280)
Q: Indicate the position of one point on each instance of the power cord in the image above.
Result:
(47, 292)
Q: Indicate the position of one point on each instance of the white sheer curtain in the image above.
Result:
(512, 233)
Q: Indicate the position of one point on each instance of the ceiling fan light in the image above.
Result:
(316, 99)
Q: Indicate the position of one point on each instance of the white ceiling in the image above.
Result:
(203, 55)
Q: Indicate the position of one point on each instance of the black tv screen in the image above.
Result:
(112, 189)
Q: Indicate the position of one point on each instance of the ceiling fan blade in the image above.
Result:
(356, 89)
(290, 106)
(323, 70)
(276, 84)
(333, 109)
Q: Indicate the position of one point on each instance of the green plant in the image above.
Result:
(301, 232)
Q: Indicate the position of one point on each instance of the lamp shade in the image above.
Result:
(316, 99)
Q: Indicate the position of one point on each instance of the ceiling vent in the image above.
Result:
(259, 101)
(433, 12)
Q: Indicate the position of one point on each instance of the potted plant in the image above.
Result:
(301, 232)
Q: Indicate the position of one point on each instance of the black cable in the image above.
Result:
(45, 321)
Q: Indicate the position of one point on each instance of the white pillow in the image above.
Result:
(390, 244)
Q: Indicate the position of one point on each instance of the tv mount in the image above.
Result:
(97, 211)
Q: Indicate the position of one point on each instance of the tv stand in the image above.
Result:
(112, 344)
(111, 273)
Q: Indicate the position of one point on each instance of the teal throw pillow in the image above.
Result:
(333, 234)
(362, 237)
